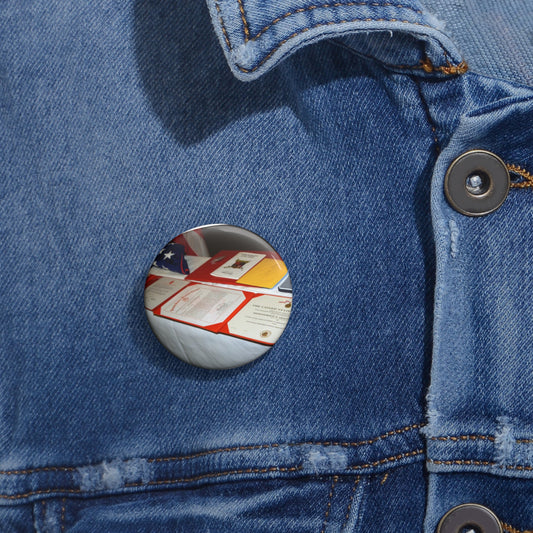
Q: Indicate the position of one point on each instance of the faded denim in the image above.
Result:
(402, 384)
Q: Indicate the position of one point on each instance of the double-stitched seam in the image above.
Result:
(325, 6)
(162, 482)
(426, 64)
(511, 529)
(392, 459)
(479, 463)
(465, 437)
(39, 492)
(527, 176)
(350, 502)
(328, 506)
(366, 442)
(211, 475)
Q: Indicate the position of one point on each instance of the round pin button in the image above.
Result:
(477, 183)
(469, 517)
(218, 296)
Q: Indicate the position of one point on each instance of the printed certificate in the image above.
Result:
(262, 319)
(202, 305)
(238, 265)
(160, 290)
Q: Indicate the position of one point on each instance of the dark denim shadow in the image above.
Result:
(424, 223)
(185, 74)
(189, 84)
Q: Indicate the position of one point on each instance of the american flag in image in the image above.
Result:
(172, 257)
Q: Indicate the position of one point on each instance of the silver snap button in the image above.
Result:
(477, 183)
(470, 517)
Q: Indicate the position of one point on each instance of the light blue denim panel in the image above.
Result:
(479, 402)
(257, 35)
(494, 36)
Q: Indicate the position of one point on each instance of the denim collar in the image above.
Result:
(257, 34)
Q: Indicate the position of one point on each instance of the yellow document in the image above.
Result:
(265, 274)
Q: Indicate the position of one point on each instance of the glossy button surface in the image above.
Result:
(469, 516)
(477, 183)
(218, 296)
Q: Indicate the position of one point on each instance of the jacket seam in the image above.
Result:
(366, 442)
(476, 462)
(210, 475)
(246, 25)
(425, 65)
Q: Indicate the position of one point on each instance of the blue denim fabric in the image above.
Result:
(384, 403)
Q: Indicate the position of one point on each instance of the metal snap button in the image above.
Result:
(477, 183)
(469, 517)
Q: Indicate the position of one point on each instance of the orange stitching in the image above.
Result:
(244, 22)
(40, 469)
(519, 467)
(449, 70)
(466, 437)
(479, 463)
(292, 444)
(386, 460)
(528, 177)
(478, 437)
(233, 449)
(328, 508)
(219, 474)
(228, 44)
(422, 64)
(462, 462)
(385, 477)
(62, 520)
(34, 492)
(327, 6)
(349, 508)
(512, 529)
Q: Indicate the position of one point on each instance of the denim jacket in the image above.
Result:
(402, 386)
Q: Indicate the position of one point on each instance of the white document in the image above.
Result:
(262, 319)
(203, 305)
(238, 265)
(161, 290)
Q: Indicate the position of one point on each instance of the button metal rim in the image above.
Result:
(460, 516)
(463, 166)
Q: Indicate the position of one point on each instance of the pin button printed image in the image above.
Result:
(218, 296)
